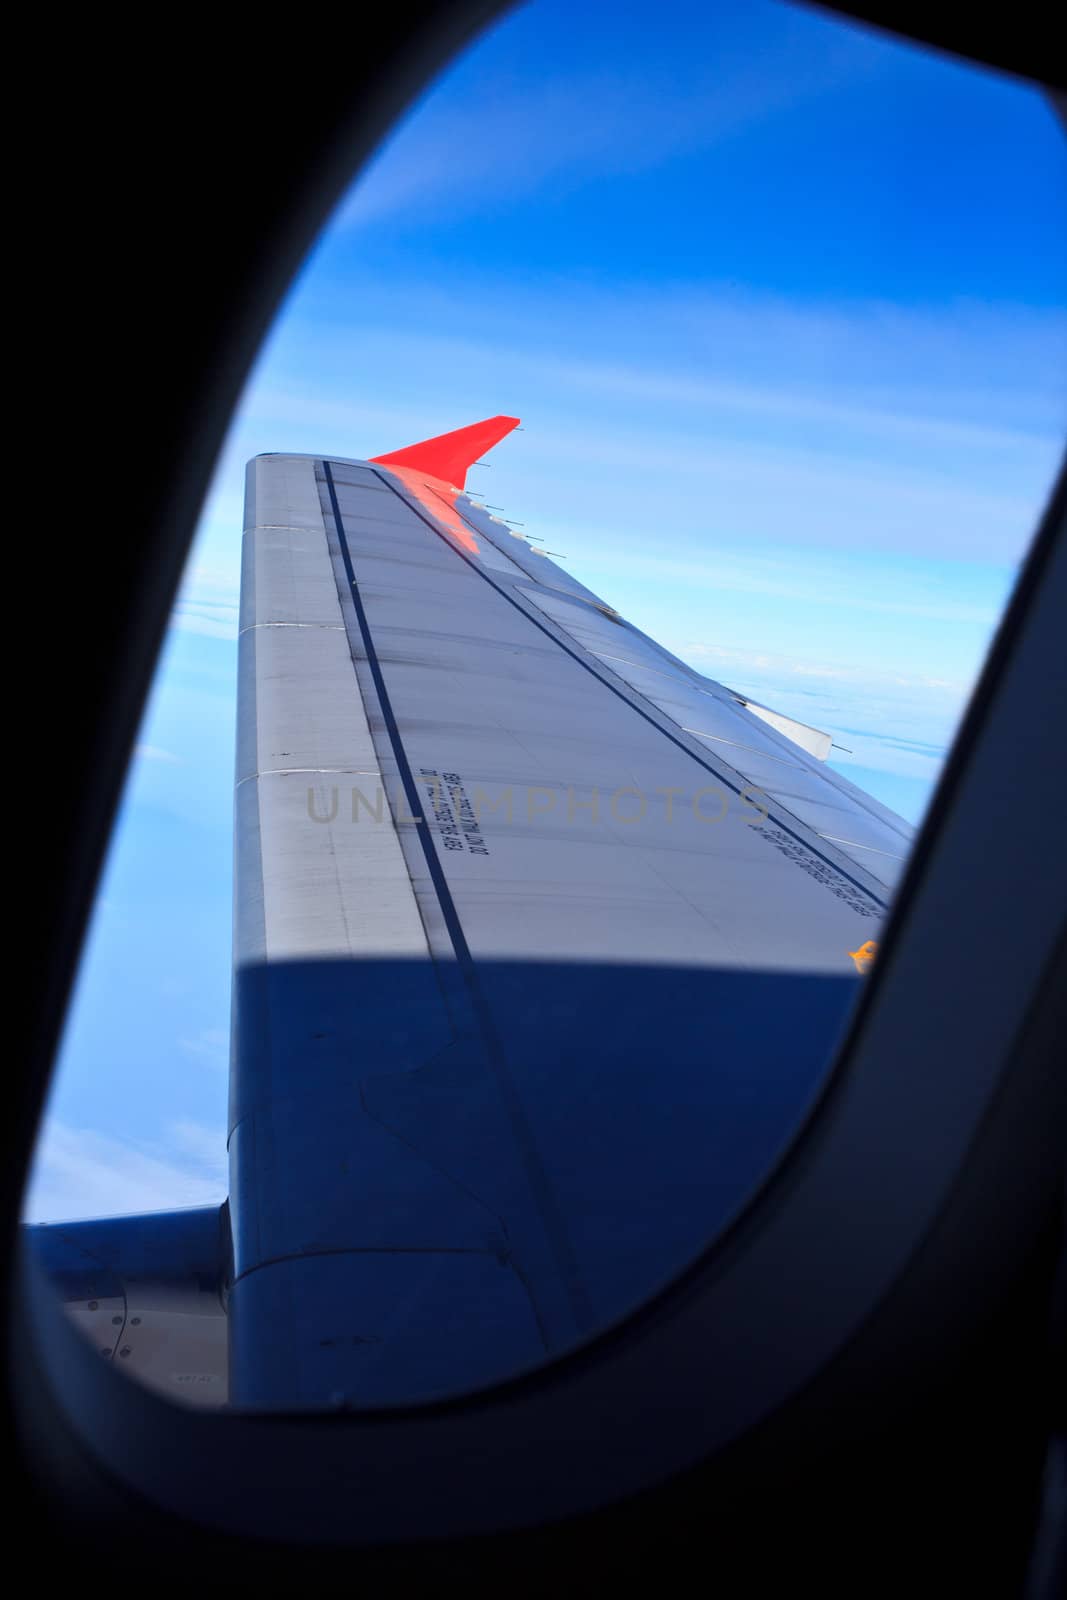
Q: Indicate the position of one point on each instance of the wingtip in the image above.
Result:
(448, 455)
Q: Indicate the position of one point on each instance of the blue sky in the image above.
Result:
(781, 304)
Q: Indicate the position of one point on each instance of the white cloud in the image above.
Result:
(154, 752)
(934, 431)
(881, 721)
(211, 1046)
(204, 1146)
(80, 1172)
(867, 681)
(212, 624)
(514, 133)
(209, 600)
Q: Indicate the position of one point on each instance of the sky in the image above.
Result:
(781, 305)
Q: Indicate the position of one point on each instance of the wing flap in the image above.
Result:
(148, 1292)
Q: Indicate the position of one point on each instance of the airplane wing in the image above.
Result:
(543, 941)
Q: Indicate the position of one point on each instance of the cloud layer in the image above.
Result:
(81, 1172)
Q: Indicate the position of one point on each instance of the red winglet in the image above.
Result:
(449, 455)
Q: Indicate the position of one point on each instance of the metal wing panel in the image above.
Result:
(148, 1293)
(758, 752)
(621, 975)
(479, 693)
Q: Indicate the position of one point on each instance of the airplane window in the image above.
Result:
(636, 474)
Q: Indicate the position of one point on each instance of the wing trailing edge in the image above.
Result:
(813, 740)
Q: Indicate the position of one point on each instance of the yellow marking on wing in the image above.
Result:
(864, 956)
